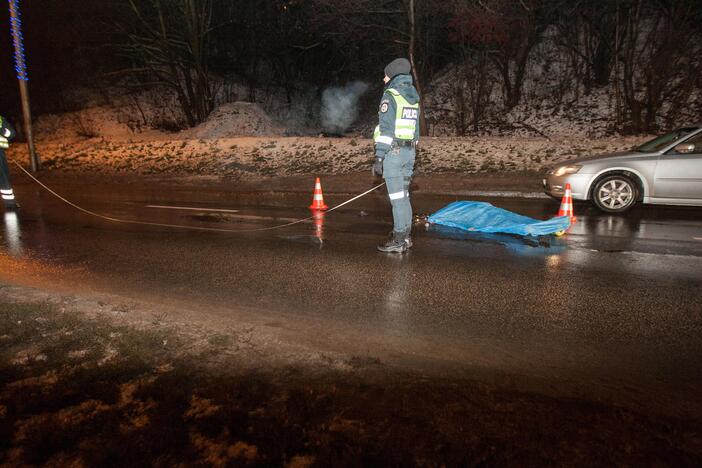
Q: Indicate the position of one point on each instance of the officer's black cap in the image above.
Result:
(400, 66)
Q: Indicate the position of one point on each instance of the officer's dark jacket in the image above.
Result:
(7, 131)
(388, 110)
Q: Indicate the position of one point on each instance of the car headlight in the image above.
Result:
(563, 170)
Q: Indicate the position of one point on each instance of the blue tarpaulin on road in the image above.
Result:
(484, 217)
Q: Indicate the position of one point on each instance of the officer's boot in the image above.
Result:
(408, 238)
(397, 243)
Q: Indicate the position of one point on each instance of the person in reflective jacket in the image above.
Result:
(7, 133)
(395, 139)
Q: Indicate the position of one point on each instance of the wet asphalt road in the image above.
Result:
(613, 307)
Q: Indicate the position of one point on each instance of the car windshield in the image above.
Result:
(663, 141)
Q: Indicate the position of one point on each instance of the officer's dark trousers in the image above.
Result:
(398, 168)
(8, 196)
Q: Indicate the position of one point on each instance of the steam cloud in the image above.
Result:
(340, 106)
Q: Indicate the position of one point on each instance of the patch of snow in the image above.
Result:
(236, 119)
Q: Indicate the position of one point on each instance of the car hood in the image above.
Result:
(601, 157)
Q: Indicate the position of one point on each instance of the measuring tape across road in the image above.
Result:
(182, 226)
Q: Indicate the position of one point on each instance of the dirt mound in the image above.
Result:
(87, 123)
(112, 123)
(237, 119)
(118, 123)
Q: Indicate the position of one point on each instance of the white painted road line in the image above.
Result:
(499, 194)
(232, 216)
(697, 238)
(188, 208)
(264, 218)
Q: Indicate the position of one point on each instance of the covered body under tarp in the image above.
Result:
(484, 217)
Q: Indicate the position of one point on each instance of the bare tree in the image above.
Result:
(523, 24)
(586, 30)
(167, 41)
(659, 56)
(516, 27)
(392, 26)
(472, 31)
(412, 52)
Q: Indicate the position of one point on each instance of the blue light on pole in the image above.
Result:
(21, 69)
(18, 40)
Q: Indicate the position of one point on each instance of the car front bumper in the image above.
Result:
(579, 184)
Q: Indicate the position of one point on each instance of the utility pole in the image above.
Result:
(21, 68)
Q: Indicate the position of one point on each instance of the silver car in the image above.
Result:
(665, 171)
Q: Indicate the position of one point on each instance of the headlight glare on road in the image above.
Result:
(563, 170)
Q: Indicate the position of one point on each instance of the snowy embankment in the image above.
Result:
(240, 140)
(281, 156)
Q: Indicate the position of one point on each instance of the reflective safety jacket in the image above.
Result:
(7, 133)
(398, 115)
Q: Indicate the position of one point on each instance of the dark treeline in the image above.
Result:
(646, 53)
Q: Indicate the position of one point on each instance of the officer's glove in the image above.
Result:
(377, 169)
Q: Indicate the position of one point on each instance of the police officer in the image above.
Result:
(395, 141)
(7, 133)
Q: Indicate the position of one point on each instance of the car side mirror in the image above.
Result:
(685, 148)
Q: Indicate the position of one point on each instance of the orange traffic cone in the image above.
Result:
(318, 199)
(566, 208)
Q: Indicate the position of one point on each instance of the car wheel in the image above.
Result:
(615, 194)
